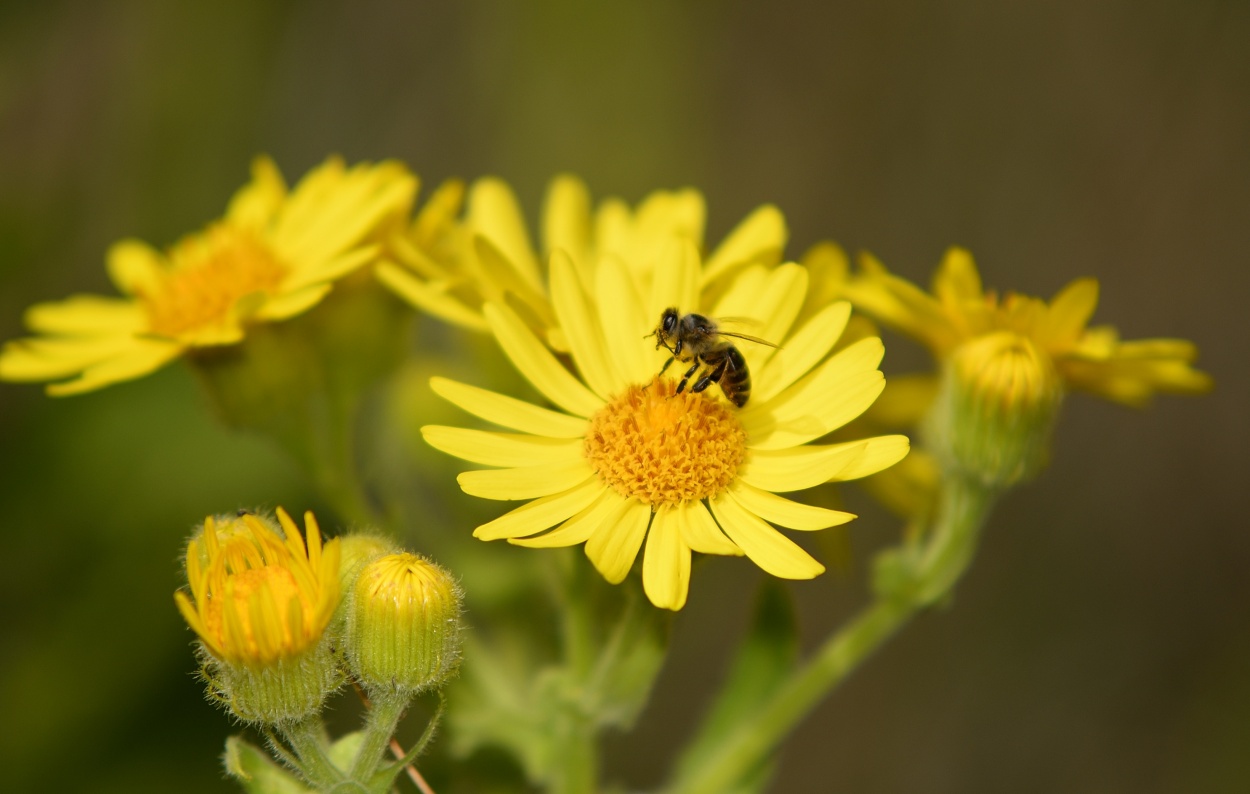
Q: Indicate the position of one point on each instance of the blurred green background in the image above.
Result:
(1102, 641)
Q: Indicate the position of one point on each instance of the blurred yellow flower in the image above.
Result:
(626, 460)
(275, 254)
(451, 269)
(1088, 359)
(257, 597)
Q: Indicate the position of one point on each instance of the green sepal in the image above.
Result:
(765, 660)
(256, 772)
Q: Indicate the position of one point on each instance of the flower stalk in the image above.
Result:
(949, 549)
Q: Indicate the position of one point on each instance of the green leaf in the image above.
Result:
(765, 659)
(626, 671)
(256, 772)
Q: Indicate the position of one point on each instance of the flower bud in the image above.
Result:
(260, 602)
(995, 408)
(403, 624)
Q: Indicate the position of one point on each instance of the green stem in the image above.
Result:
(949, 550)
(576, 625)
(428, 734)
(578, 769)
(305, 737)
(384, 716)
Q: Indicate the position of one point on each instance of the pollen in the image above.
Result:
(210, 274)
(661, 447)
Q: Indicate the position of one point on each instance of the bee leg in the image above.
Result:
(689, 374)
(671, 359)
(712, 377)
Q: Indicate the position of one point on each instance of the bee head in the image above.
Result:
(667, 328)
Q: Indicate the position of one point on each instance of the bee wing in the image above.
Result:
(748, 338)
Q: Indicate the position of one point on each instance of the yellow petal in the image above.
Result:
(760, 237)
(500, 277)
(291, 304)
(527, 482)
(625, 323)
(438, 215)
(256, 204)
(582, 333)
(676, 281)
(784, 512)
(86, 314)
(614, 545)
(786, 470)
(429, 298)
(537, 364)
(566, 221)
(134, 267)
(764, 545)
(1068, 314)
(957, 281)
(541, 513)
(700, 532)
(901, 305)
(880, 452)
(493, 212)
(45, 358)
(330, 269)
(835, 393)
(148, 355)
(330, 211)
(581, 526)
(508, 411)
(502, 449)
(808, 346)
(666, 563)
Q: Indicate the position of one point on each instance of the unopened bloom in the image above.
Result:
(403, 624)
(627, 461)
(260, 603)
(275, 254)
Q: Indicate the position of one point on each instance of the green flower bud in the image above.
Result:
(995, 408)
(403, 624)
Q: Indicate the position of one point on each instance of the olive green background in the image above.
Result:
(1101, 643)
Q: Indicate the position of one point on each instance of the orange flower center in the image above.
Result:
(269, 616)
(209, 274)
(665, 448)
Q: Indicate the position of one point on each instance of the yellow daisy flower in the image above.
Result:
(1088, 359)
(275, 254)
(627, 461)
(451, 270)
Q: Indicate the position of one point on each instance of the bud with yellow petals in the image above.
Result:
(260, 602)
(995, 409)
(403, 624)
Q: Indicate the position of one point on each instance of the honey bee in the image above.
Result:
(695, 338)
